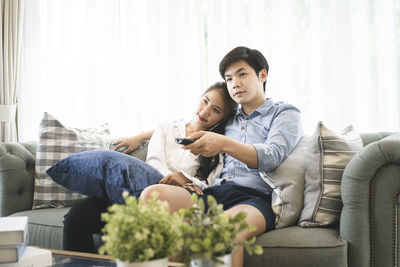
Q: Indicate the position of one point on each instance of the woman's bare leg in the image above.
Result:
(255, 218)
(176, 196)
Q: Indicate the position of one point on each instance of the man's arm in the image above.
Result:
(210, 144)
(284, 133)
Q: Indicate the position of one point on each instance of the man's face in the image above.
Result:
(244, 85)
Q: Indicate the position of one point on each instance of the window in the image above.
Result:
(137, 63)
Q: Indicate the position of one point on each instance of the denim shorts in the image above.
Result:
(231, 194)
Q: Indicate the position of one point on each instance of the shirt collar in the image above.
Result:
(262, 109)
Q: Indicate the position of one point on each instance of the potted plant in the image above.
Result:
(209, 237)
(138, 233)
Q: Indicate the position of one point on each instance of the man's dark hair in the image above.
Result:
(252, 57)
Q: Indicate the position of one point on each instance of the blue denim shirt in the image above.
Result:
(274, 129)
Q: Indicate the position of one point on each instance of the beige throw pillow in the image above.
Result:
(328, 154)
(287, 182)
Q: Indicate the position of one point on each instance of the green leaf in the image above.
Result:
(252, 240)
(212, 233)
(219, 247)
(258, 250)
(194, 198)
(201, 204)
(141, 231)
(241, 216)
(206, 243)
(211, 201)
(195, 247)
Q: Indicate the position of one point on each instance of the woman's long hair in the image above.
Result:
(208, 164)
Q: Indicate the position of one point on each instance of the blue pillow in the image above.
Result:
(104, 174)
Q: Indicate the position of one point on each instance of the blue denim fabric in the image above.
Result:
(104, 174)
(273, 129)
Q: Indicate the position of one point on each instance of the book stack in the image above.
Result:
(14, 249)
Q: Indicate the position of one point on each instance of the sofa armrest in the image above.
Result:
(17, 176)
(370, 194)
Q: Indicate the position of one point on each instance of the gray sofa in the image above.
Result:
(367, 235)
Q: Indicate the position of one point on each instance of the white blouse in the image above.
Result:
(168, 157)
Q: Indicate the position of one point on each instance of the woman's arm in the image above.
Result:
(132, 142)
(156, 151)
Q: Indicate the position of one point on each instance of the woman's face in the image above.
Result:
(211, 109)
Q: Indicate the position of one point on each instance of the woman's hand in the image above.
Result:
(179, 179)
(175, 179)
(194, 188)
(130, 142)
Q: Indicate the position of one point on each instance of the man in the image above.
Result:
(259, 137)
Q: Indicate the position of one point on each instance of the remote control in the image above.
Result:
(184, 141)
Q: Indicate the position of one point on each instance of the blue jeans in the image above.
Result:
(124, 173)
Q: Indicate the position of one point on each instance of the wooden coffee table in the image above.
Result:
(72, 258)
(63, 258)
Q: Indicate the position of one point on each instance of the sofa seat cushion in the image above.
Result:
(300, 247)
(45, 226)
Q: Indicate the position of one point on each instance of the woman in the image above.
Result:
(177, 166)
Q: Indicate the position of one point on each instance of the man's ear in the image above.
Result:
(263, 75)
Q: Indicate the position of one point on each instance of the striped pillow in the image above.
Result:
(56, 142)
(328, 155)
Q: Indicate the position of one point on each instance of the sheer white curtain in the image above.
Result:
(134, 63)
(11, 19)
(130, 63)
(338, 61)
